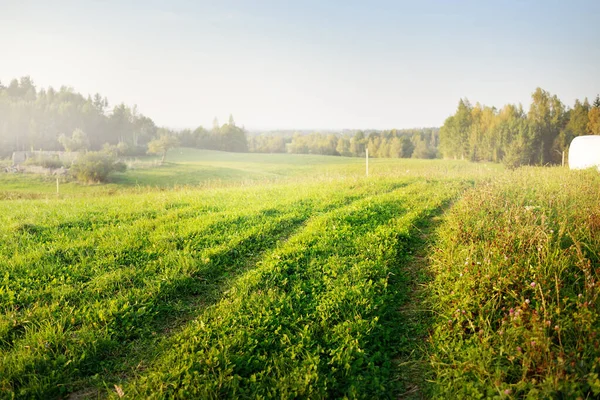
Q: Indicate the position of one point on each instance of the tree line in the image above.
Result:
(50, 119)
(510, 135)
(394, 143)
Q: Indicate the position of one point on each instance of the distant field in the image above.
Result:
(248, 275)
(192, 167)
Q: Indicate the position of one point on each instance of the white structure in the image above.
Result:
(584, 152)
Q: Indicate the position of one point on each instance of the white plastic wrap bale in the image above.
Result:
(584, 152)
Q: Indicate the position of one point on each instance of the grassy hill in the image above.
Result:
(208, 168)
(248, 275)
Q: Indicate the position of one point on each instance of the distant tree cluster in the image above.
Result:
(226, 137)
(267, 144)
(406, 143)
(514, 137)
(416, 143)
(52, 119)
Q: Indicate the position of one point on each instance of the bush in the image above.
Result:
(120, 166)
(52, 163)
(95, 166)
(123, 149)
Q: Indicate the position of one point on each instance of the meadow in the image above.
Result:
(259, 276)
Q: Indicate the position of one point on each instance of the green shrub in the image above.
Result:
(95, 166)
(120, 166)
(51, 163)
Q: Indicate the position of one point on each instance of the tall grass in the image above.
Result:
(516, 289)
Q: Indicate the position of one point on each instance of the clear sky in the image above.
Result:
(305, 64)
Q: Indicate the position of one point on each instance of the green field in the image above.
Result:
(290, 276)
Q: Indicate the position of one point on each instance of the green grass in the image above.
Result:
(313, 312)
(96, 286)
(516, 289)
(209, 169)
(269, 275)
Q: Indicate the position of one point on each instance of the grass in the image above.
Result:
(210, 169)
(516, 287)
(314, 312)
(88, 285)
(269, 275)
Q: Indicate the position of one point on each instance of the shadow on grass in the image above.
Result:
(182, 299)
(212, 286)
(123, 344)
(127, 337)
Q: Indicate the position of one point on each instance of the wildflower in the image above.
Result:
(533, 342)
(532, 284)
(507, 391)
(519, 349)
(527, 301)
(511, 311)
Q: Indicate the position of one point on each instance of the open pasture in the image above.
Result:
(297, 276)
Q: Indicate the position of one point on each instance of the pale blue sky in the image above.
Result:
(305, 64)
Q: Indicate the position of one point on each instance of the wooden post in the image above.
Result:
(367, 159)
(563, 158)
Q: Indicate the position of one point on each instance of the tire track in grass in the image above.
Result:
(206, 290)
(309, 313)
(266, 286)
(136, 357)
(410, 318)
(140, 312)
(130, 269)
(65, 352)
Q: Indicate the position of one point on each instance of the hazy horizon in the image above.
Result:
(340, 65)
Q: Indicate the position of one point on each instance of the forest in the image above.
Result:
(515, 137)
(50, 119)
